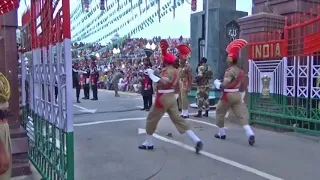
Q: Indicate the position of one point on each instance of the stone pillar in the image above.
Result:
(221, 14)
(9, 67)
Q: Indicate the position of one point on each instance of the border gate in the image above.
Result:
(46, 71)
(284, 75)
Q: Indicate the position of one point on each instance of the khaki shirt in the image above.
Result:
(230, 77)
(168, 74)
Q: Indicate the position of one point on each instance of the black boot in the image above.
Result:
(220, 137)
(252, 140)
(199, 114)
(206, 114)
(199, 147)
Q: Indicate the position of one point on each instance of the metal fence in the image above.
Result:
(46, 74)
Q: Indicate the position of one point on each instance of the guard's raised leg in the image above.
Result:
(183, 127)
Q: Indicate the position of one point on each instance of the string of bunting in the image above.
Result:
(113, 31)
(88, 15)
(75, 11)
(146, 23)
(102, 25)
(92, 30)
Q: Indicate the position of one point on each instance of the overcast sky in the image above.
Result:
(169, 26)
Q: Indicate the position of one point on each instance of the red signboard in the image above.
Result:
(193, 5)
(267, 50)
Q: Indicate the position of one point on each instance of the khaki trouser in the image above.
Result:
(5, 139)
(115, 88)
(234, 101)
(169, 103)
(183, 97)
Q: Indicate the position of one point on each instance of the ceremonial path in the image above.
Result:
(107, 134)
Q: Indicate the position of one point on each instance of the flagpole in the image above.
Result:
(207, 28)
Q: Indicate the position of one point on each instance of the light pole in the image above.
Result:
(207, 29)
(148, 46)
(116, 51)
(153, 46)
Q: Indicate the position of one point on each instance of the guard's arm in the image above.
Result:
(228, 76)
(190, 78)
(165, 78)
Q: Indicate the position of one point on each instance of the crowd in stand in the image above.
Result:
(129, 60)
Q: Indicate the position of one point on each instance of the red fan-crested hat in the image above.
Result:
(184, 50)
(234, 47)
(167, 57)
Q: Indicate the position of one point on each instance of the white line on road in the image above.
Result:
(216, 157)
(136, 119)
(85, 109)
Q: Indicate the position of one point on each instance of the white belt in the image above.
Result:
(166, 91)
(231, 90)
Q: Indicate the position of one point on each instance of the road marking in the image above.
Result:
(109, 121)
(215, 157)
(136, 119)
(85, 109)
(126, 93)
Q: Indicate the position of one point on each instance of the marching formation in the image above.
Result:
(175, 82)
(171, 83)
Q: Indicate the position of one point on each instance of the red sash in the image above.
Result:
(84, 79)
(238, 80)
(92, 79)
(158, 95)
(146, 82)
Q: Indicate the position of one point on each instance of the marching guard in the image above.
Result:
(115, 81)
(231, 97)
(94, 76)
(86, 82)
(146, 83)
(185, 79)
(166, 101)
(76, 80)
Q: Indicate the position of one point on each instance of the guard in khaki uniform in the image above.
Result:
(231, 97)
(166, 101)
(185, 79)
(5, 141)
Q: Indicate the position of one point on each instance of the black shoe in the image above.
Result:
(252, 140)
(185, 117)
(206, 114)
(199, 147)
(199, 114)
(78, 101)
(94, 99)
(84, 98)
(143, 109)
(145, 147)
(148, 109)
(220, 137)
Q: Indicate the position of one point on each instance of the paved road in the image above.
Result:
(106, 148)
